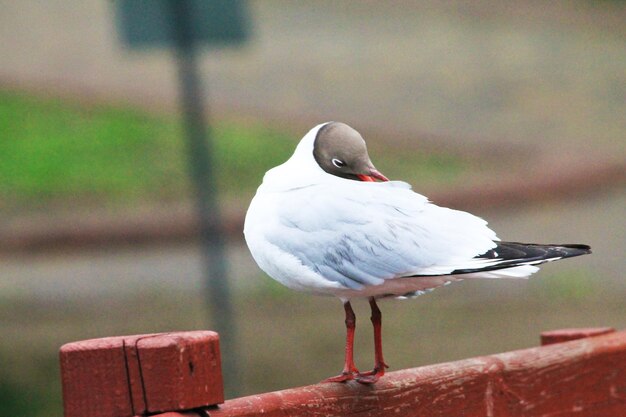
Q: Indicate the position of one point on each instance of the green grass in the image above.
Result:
(54, 150)
(51, 149)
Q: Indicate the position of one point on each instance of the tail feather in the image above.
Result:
(512, 254)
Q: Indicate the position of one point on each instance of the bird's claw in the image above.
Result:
(372, 376)
(365, 378)
(340, 378)
(368, 379)
(343, 377)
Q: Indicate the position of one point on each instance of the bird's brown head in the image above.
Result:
(340, 150)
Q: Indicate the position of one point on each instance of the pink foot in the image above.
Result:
(343, 377)
(369, 377)
(372, 376)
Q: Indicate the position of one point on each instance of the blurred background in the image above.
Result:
(514, 111)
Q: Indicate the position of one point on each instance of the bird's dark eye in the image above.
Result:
(338, 163)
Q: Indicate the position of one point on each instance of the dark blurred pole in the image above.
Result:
(199, 144)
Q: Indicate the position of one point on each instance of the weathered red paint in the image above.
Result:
(129, 375)
(93, 375)
(582, 378)
(566, 335)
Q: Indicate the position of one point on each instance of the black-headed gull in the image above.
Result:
(320, 223)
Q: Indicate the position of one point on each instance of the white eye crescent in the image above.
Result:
(338, 163)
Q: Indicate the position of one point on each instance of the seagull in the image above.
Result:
(327, 222)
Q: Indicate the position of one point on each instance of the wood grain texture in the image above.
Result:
(141, 374)
(582, 378)
(180, 371)
(94, 378)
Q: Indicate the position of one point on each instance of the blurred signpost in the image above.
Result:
(184, 25)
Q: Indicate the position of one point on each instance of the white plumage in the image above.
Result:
(324, 234)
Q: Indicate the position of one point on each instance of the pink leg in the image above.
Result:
(349, 370)
(379, 363)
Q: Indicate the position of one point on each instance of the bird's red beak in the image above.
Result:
(374, 175)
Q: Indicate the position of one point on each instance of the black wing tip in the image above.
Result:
(512, 254)
(585, 249)
(578, 248)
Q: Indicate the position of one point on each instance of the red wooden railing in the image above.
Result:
(577, 372)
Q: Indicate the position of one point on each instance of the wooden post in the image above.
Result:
(585, 378)
(120, 377)
(131, 375)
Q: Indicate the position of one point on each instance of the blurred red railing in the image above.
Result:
(577, 372)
